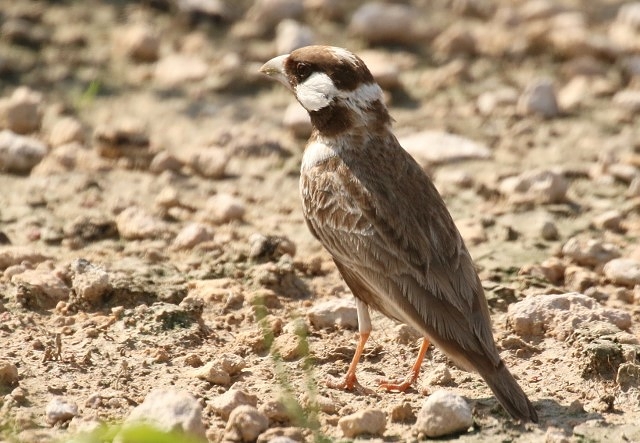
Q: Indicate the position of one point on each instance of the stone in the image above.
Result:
(21, 113)
(290, 346)
(378, 22)
(628, 376)
(135, 223)
(230, 400)
(270, 247)
(363, 422)
(539, 98)
(490, 102)
(297, 120)
(214, 10)
(589, 252)
(558, 315)
(14, 255)
(579, 279)
(629, 13)
(125, 137)
(209, 162)
(549, 231)
(213, 373)
(291, 35)
(180, 70)
(455, 41)
(140, 42)
(437, 147)
(276, 411)
(601, 359)
(384, 69)
(402, 413)
(444, 413)
(19, 153)
(610, 220)
(269, 13)
(405, 334)
(60, 410)
(628, 99)
(192, 235)
(245, 424)
(89, 282)
(165, 161)
(440, 375)
(222, 208)
(334, 313)
(40, 287)
(170, 410)
(8, 374)
(66, 130)
(623, 271)
(537, 186)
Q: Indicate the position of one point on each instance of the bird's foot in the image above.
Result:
(399, 385)
(348, 383)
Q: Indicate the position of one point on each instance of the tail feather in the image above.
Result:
(510, 394)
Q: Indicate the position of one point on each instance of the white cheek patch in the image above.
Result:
(316, 92)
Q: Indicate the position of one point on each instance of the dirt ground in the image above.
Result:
(136, 155)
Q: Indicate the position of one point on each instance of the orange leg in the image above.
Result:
(412, 376)
(350, 381)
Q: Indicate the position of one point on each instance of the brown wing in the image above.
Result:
(398, 249)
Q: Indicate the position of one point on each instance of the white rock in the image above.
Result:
(623, 271)
(444, 413)
(610, 220)
(491, 101)
(231, 363)
(139, 41)
(379, 22)
(60, 410)
(297, 120)
(223, 208)
(589, 252)
(539, 98)
(230, 400)
(170, 410)
(19, 153)
(366, 421)
(11, 255)
(439, 375)
(334, 313)
(213, 373)
(66, 130)
(177, 69)
(291, 35)
(8, 374)
(629, 13)
(245, 424)
(165, 161)
(436, 147)
(540, 186)
(558, 315)
(89, 282)
(210, 162)
(628, 99)
(45, 288)
(135, 223)
(192, 235)
(22, 111)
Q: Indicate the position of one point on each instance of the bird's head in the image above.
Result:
(333, 85)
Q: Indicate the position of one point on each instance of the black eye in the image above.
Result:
(303, 71)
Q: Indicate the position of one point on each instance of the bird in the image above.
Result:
(382, 220)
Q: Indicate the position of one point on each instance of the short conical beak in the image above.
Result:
(274, 68)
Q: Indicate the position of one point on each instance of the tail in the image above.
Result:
(510, 394)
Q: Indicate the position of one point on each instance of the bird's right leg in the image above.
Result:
(364, 328)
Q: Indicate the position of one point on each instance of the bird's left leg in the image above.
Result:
(364, 327)
(412, 376)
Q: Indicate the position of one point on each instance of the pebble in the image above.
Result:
(444, 413)
(222, 208)
(210, 162)
(192, 235)
(91, 228)
(66, 130)
(378, 22)
(490, 102)
(135, 223)
(40, 287)
(549, 231)
(579, 279)
(363, 422)
(330, 9)
(629, 13)
(125, 137)
(455, 41)
(436, 147)
(60, 410)
(180, 70)
(245, 424)
(271, 12)
(213, 373)
(164, 161)
(291, 35)
(290, 346)
(539, 98)
(19, 153)
(623, 271)
(384, 69)
(589, 252)
(539, 186)
(558, 314)
(270, 247)
(601, 359)
(140, 42)
(405, 334)
(628, 99)
(440, 375)
(89, 282)
(297, 120)
(610, 220)
(14, 255)
(402, 413)
(8, 374)
(333, 313)
(230, 400)
(276, 411)
(628, 376)
(170, 409)
(21, 113)
(214, 10)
